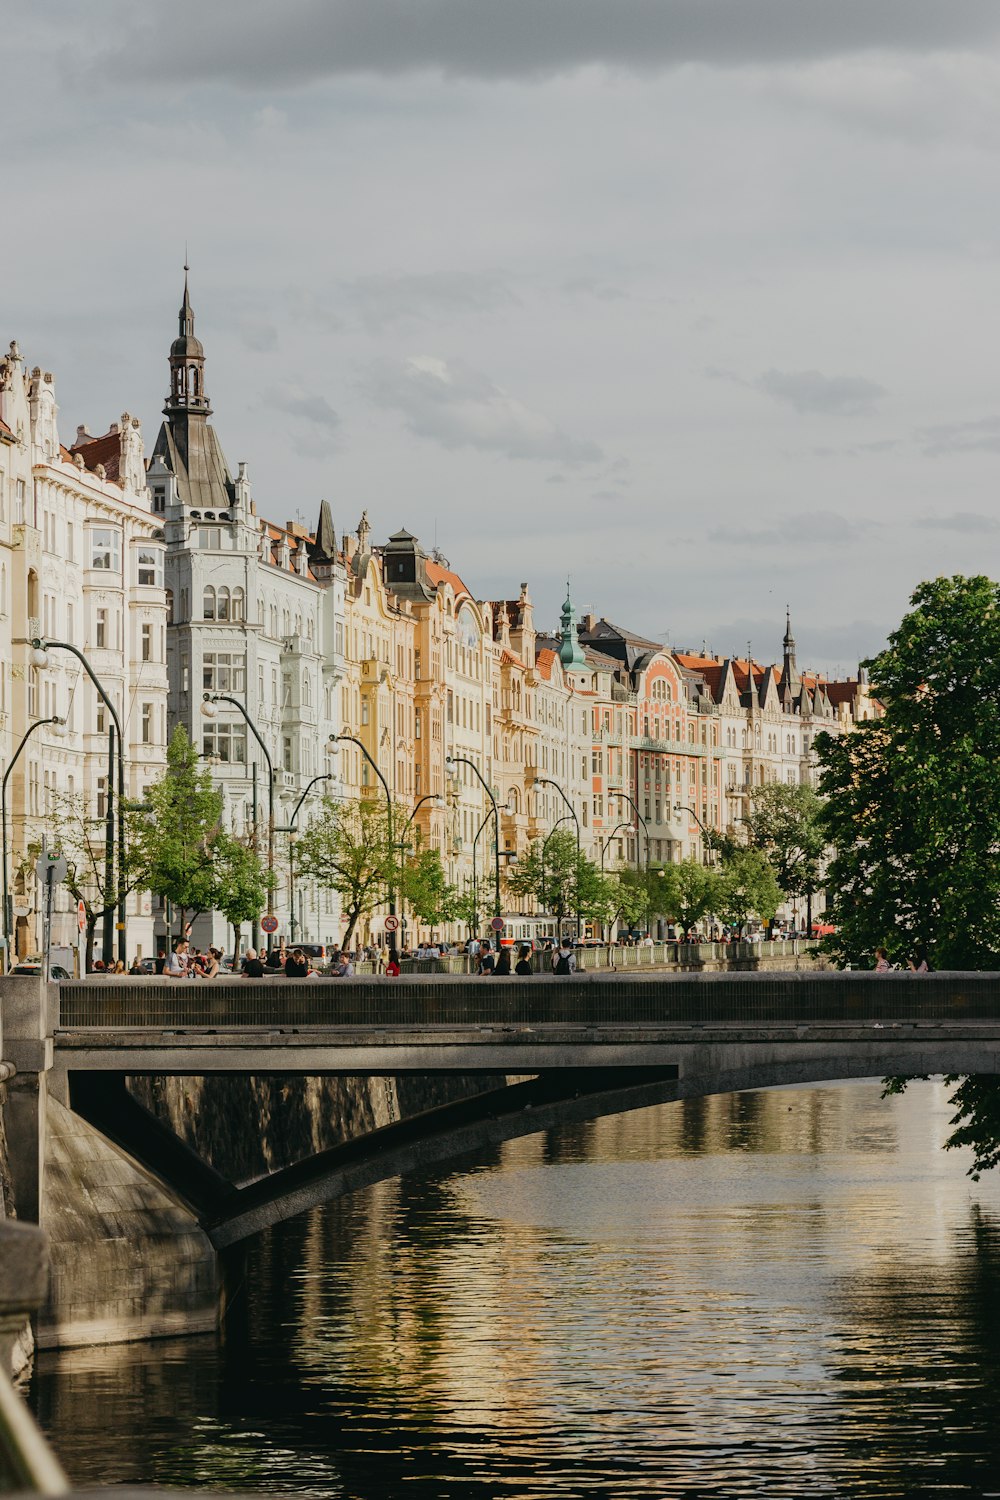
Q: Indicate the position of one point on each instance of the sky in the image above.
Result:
(691, 302)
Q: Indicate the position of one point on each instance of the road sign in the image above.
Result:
(497, 924)
(269, 924)
(81, 916)
(50, 867)
(392, 924)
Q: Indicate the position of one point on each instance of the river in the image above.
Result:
(783, 1293)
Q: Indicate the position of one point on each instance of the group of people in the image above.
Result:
(917, 963)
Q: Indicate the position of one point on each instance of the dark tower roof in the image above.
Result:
(187, 442)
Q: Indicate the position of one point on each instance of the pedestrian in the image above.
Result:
(137, 966)
(344, 968)
(882, 964)
(392, 967)
(563, 958)
(523, 965)
(487, 961)
(210, 964)
(177, 963)
(160, 961)
(253, 968)
(502, 965)
(296, 965)
(918, 962)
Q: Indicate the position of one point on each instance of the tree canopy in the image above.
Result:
(561, 879)
(346, 848)
(913, 811)
(784, 824)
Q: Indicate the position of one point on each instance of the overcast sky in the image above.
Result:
(693, 301)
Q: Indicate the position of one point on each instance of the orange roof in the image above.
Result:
(106, 450)
(510, 660)
(544, 662)
(437, 575)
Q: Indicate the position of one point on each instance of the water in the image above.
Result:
(782, 1293)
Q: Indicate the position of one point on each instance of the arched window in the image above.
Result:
(239, 605)
(3, 589)
(307, 694)
(169, 595)
(208, 604)
(224, 601)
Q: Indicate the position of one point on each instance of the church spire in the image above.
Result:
(789, 683)
(187, 365)
(570, 651)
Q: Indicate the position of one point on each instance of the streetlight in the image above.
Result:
(403, 845)
(290, 829)
(708, 833)
(607, 841)
(546, 781)
(208, 702)
(8, 916)
(40, 649)
(334, 740)
(624, 797)
(463, 760)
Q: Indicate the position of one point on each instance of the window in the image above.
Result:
(286, 752)
(226, 742)
(102, 796)
(238, 610)
(147, 723)
(159, 498)
(170, 606)
(146, 647)
(223, 604)
(210, 538)
(101, 721)
(19, 501)
(105, 549)
(148, 566)
(101, 639)
(364, 710)
(417, 725)
(223, 672)
(70, 542)
(208, 603)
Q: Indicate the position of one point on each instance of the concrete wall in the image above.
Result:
(127, 1259)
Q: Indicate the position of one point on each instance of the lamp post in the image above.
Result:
(463, 760)
(707, 833)
(40, 649)
(8, 916)
(209, 700)
(290, 829)
(403, 846)
(545, 845)
(546, 781)
(352, 739)
(607, 841)
(624, 797)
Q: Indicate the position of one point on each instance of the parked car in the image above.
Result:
(33, 967)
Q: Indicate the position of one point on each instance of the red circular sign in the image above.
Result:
(391, 924)
(269, 924)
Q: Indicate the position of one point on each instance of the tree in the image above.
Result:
(784, 824)
(913, 814)
(687, 892)
(912, 809)
(242, 882)
(561, 879)
(630, 893)
(347, 849)
(181, 832)
(80, 838)
(747, 888)
(425, 889)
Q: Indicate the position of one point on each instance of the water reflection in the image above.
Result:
(762, 1293)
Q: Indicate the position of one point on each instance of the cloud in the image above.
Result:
(982, 435)
(809, 391)
(794, 529)
(386, 299)
(966, 522)
(307, 406)
(249, 42)
(458, 407)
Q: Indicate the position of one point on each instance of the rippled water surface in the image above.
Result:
(786, 1293)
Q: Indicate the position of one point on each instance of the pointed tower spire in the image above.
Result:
(789, 684)
(187, 364)
(570, 651)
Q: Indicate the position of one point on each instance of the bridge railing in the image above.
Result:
(611, 957)
(695, 1000)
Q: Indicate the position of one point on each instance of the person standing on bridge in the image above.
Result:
(563, 958)
(882, 964)
(523, 966)
(177, 963)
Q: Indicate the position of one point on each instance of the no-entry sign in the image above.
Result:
(269, 924)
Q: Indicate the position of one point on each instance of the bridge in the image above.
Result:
(510, 1057)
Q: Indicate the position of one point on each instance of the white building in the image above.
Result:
(253, 613)
(81, 565)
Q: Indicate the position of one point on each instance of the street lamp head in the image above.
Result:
(39, 655)
(208, 707)
(59, 728)
(449, 760)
